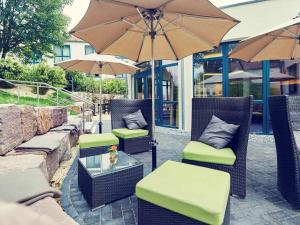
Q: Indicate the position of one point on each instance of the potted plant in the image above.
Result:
(113, 154)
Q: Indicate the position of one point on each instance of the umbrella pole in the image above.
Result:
(100, 99)
(154, 142)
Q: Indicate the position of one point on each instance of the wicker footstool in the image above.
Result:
(101, 182)
(182, 194)
(133, 141)
(95, 144)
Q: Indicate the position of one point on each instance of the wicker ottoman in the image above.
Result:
(95, 144)
(133, 141)
(177, 194)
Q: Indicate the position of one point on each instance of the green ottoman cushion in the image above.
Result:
(127, 134)
(97, 140)
(193, 191)
(201, 152)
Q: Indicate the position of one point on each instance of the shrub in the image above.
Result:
(114, 86)
(54, 76)
(11, 69)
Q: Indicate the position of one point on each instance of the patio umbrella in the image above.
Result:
(99, 64)
(148, 30)
(279, 43)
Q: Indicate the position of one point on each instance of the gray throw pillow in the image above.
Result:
(135, 120)
(218, 133)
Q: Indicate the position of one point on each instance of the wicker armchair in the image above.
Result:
(235, 110)
(122, 107)
(285, 117)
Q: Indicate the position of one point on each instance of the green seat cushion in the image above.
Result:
(193, 191)
(127, 134)
(198, 151)
(97, 140)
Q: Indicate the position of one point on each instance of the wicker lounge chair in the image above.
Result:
(235, 110)
(119, 109)
(285, 117)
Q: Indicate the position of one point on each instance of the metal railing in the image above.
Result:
(87, 105)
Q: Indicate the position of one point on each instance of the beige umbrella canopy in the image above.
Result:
(282, 42)
(99, 64)
(144, 30)
(181, 27)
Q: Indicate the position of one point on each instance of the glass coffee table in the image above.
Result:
(102, 182)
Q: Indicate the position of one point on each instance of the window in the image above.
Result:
(62, 53)
(170, 115)
(208, 78)
(285, 77)
(89, 50)
(245, 79)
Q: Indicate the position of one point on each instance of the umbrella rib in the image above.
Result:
(204, 17)
(112, 69)
(268, 44)
(287, 30)
(142, 17)
(121, 3)
(140, 51)
(110, 43)
(134, 25)
(295, 44)
(169, 42)
(98, 25)
(169, 22)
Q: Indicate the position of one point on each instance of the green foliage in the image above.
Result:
(54, 76)
(81, 82)
(114, 86)
(29, 28)
(84, 83)
(13, 70)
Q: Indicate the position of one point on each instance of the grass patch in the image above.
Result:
(7, 98)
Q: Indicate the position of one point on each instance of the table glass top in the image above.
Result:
(101, 164)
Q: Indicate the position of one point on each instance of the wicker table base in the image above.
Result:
(111, 185)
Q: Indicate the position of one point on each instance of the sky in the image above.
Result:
(77, 10)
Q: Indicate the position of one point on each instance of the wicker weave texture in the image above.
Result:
(86, 152)
(285, 117)
(235, 110)
(107, 188)
(124, 107)
(150, 214)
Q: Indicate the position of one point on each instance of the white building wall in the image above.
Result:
(187, 83)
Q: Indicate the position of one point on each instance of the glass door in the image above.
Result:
(169, 96)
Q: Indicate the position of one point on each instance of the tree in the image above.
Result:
(30, 28)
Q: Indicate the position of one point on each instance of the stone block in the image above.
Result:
(28, 122)
(10, 128)
(44, 120)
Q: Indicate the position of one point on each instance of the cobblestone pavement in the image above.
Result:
(262, 206)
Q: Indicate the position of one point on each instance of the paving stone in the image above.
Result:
(117, 221)
(128, 217)
(263, 204)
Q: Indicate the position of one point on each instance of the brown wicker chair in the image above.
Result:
(285, 118)
(235, 110)
(122, 107)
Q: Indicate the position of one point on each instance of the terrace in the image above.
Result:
(263, 205)
(197, 128)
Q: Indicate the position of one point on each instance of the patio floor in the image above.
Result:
(263, 204)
